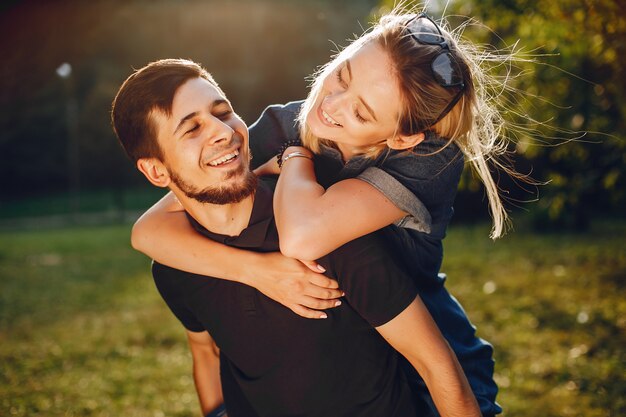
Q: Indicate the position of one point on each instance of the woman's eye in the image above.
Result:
(339, 78)
(224, 115)
(359, 117)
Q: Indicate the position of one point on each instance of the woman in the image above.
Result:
(397, 110)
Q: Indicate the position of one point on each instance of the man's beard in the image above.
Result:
(221, 194)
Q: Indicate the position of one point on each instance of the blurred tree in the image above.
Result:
(576, 84)
(259, 51)
(588, 40)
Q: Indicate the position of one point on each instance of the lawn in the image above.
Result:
(83, 331)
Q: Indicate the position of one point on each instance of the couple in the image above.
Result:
(389, 155)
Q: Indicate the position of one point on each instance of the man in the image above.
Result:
(177, 125)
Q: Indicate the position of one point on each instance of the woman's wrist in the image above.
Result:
(300, 149)
(295, 153)
(283, 148)
(247, 272)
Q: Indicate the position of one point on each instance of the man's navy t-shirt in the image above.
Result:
(276, 363)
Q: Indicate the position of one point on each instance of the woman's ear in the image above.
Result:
(402, 142)
(155, 171)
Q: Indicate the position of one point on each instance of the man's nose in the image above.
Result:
(221, 133)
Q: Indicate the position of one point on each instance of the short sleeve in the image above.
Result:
(376, 286)
(422, 182)
(166, 280)
(276, 125)
(418, 217)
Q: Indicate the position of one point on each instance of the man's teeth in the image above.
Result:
(226, 158)
(329, 119)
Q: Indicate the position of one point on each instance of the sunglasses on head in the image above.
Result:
(445, 68)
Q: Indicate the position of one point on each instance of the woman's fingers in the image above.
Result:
(308, 313)
(270, 167)
(321, 293)
(323, 281)
(314, 266)
(310, 307)
(319, 304)
(299, 286)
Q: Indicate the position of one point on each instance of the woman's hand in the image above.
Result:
(268, 168)
(313, 266)
(296, 285)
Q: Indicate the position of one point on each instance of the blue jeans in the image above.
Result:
(474, 354)
(218, 412)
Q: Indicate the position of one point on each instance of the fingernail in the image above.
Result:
(337, 303)
(323, 316)
(321, 268)
(343, 294)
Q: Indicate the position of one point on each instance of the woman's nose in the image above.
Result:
(333, 101)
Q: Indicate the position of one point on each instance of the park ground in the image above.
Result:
(83, 331)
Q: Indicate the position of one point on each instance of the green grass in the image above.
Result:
(83, 331)
(99, 201)
(554, 308)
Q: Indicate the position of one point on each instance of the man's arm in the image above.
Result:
(415, 335)
(206, 370)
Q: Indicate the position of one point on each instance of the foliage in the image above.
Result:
(259, 51)
(84, 333)
(573, 85)
(576, 86)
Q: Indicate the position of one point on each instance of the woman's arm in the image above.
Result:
(164, 234)
(313, 222)
(414, 334)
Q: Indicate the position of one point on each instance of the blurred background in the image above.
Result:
(82, 331)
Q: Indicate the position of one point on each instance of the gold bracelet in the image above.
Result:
(295, 154)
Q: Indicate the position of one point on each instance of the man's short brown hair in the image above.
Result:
(150, 88)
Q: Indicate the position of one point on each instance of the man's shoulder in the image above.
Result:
(370, 249)
(164, 273)
(161, 272)
(279, 118)
(175, 284)
(286, 109)
(277, 124)
(375, 281)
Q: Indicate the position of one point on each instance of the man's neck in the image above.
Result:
(223, 219)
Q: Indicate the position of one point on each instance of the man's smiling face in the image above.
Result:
(205, 145)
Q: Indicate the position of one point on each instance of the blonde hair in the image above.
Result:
(475, 123)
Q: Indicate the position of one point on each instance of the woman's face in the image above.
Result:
(359, 102)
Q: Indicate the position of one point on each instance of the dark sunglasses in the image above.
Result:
(446, 70)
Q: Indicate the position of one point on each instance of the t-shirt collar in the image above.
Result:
(255, 233)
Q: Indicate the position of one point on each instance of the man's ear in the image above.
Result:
(155, 171)
(402, 142)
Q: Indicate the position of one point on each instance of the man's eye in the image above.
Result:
(224, 115)
(193, 128)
